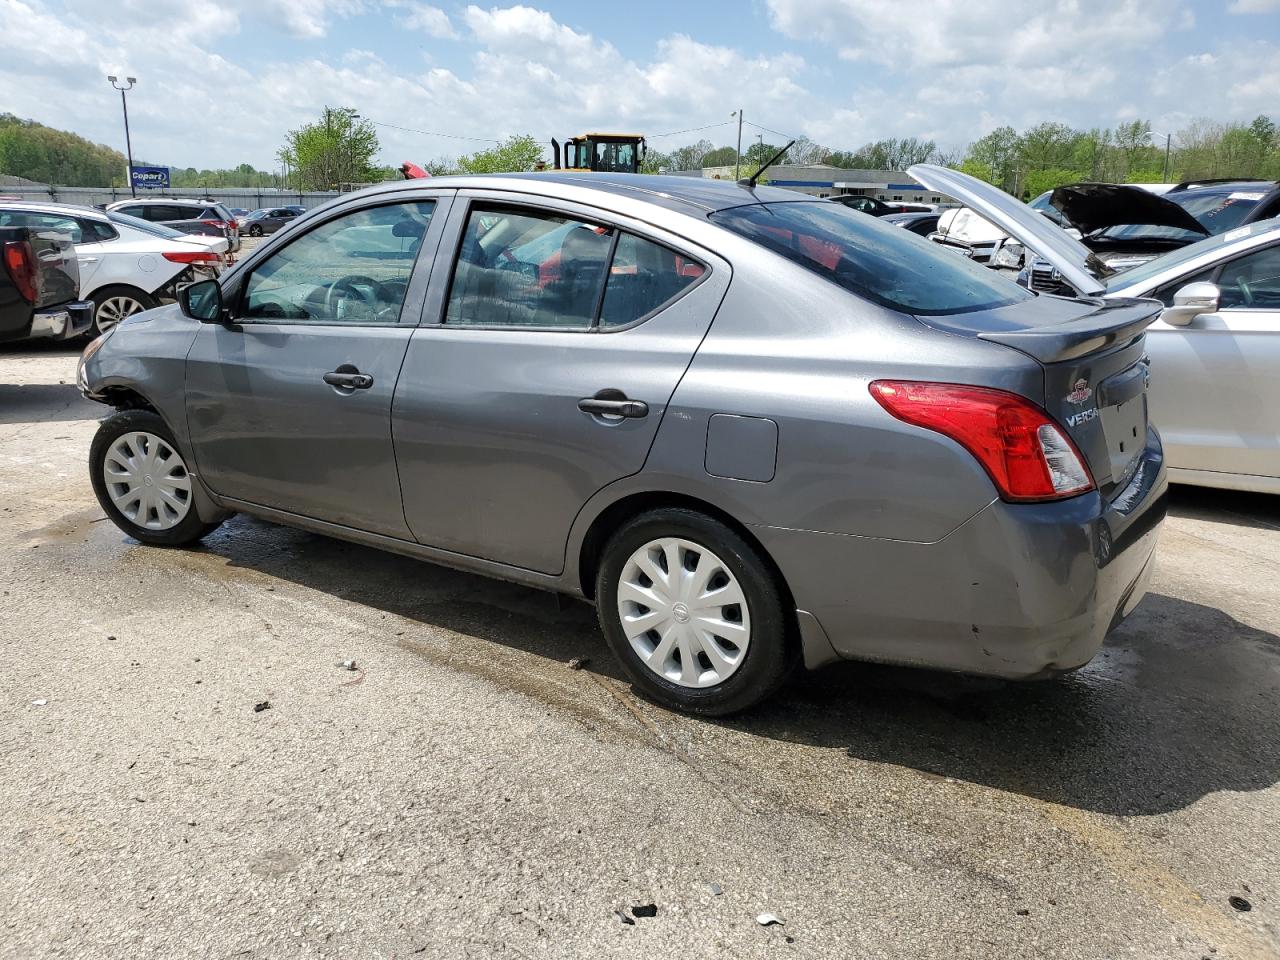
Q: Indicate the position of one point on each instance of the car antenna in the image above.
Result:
(751, 180)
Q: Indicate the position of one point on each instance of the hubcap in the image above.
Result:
(114, 309)
(684, 612)
(147, 481)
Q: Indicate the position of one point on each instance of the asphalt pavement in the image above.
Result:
(466, 793)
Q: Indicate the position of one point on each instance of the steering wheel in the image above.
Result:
(348, 288)
(1245, 293)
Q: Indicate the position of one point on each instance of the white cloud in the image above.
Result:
(958, 73)
(1254, 6)
(432, 21)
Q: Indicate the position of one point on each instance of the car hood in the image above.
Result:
(1096, 206)
(1078, 265)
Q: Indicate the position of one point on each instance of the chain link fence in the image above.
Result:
(246, 197)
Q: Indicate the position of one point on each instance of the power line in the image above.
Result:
(776, 133)
(433, 133)
(673, 133)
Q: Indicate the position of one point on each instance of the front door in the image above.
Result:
(290, 407)
(1214, 392)
(542, 373)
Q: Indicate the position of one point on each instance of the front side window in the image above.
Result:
(520, 267)
(875, 260)
(354, 269)
(1252, 282)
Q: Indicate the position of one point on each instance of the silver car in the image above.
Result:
(1214, 351)
(754, 428)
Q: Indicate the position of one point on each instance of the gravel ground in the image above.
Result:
(465, 793)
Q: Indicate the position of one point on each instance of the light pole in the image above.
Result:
(737, 161)
(351, 146)
(128, 144)
(1168, 143)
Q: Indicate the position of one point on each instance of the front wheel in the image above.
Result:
(113, 304)
(141, 480)
(694, 613)
(255, 231)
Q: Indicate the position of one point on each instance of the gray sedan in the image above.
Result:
(755, 429)
(267, 220)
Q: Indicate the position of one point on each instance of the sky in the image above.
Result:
(220, 81)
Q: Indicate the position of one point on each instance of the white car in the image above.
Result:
(1215, 350)
(126, 265)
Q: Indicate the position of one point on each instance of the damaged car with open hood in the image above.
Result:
(1214, 351)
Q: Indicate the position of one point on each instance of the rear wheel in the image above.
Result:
(694, 613)
(141, 480)
(113, 304)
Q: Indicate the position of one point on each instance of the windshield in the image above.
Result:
(1216, 212)
(146, 226)
(1140, 274)
(892, 267)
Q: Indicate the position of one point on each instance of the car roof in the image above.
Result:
(132, 201)
(689, 195)
(1222, 186)
(67, 209)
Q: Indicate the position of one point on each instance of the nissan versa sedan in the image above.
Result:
(755, 429)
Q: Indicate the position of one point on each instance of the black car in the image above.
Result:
(1126, 225)
(918, 222)
(40, 285)
(205, 217)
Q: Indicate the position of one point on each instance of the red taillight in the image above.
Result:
(1026, 454)
(200, 257)
(20, 261)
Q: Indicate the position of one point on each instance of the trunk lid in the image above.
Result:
(1078, 265)
(1093, 354)
(1096, 206)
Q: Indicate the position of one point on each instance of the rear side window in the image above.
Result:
(877, 261)
(643, 277)
(521, 267)
(95, 231)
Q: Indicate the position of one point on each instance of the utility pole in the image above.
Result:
(128, 144)
(1168, 141)
(737, 163)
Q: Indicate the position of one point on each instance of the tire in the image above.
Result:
(113, 304)
(255, 230)
(124, 446)
(754, 646)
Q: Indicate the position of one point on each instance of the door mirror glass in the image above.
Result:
(1191, 301)
(202, 301)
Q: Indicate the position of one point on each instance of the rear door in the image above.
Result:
(542, 371)
(290, 407)
(1215, 392)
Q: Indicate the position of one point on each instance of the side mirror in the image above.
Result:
(202, 301)
(1192, 301)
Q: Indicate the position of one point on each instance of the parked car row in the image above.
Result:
(123, 265)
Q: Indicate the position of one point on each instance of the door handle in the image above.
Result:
(611, 407)
(351, 380)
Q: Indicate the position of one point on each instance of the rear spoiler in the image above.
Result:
(1113, 322)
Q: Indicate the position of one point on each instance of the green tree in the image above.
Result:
(515, 154)
(720, 157)
(31, 150)
(337, 148)
(997, 152)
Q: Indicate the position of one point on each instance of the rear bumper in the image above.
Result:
(1018, 591)
(63, 322)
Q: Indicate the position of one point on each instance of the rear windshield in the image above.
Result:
(892, 267)
(146, 226)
